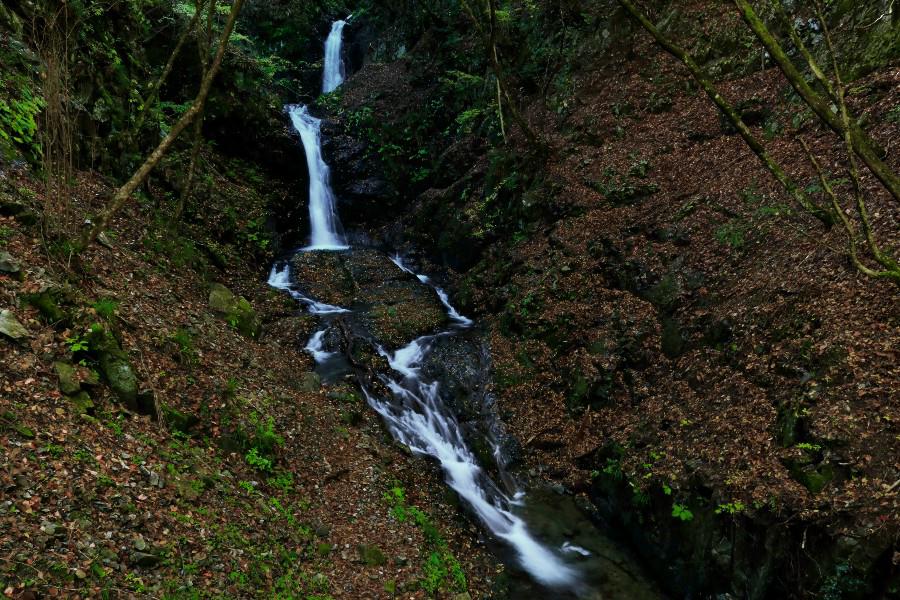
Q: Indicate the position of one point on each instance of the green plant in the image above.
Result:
(257, 461)
(105, 307)
(441, 568)
(54, 450)
(78, 343)
(808, 447)
(731, 508)
(284, 481)
(732, 234)
(682, 513)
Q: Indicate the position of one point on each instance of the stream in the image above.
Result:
(556, 550)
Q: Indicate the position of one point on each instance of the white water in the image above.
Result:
(323, 218)
(442, 295)
(417, 418)
(333, 71)
(316, 347)
(280, 278)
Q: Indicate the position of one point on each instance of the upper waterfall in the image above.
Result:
(333, 71)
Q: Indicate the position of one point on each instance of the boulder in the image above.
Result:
(114, 366)
(236, 310)
(82, 403)
(68, 378)
(8, 264)
(46, 302)
(11, 327)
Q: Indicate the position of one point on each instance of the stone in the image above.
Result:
(8, 264)
(46, 302)
(115, 366)
(11, 327)
(103, 240)
(145, 559)
(82, 403)
(236, 310)
(121, 378)
(310, 382)
(177, 420)
(68, 378)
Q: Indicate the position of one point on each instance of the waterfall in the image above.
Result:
(323, 218)
(333, 73)
(324, 223)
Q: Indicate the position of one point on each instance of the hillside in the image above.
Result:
(457, 300)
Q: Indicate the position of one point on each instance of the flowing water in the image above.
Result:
(549, 538)
(325, 226)
(333, 71)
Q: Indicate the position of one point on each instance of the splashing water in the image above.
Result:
(280, 278)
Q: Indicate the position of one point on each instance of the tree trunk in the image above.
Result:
(124, 193)
(706, 83)
(861, 142)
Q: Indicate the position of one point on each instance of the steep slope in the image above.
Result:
(671, 337)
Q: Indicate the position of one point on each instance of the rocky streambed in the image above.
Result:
(426, 370)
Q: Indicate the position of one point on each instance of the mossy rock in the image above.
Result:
(68, 378)
(814, 479)
(179, 421)
(82, 403)
(236, 310)
(309, 382)
(114, 365)
(47, 303)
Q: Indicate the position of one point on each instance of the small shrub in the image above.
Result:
(105, 308)
(682, 513)
(257, 461)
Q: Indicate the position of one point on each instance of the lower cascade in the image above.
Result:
(550, 540)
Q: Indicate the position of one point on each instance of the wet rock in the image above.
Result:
(11, 327)
(236, 310)
(68, 378)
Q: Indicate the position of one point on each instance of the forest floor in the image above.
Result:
(245, 477)
(676, 322)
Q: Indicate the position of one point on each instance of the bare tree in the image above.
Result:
(857, 143)
(488, 33)
(121, 196)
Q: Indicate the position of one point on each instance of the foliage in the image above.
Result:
(682, 513)
(105, 307)
(441, 570)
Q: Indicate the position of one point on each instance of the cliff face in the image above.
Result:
(671, 337)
